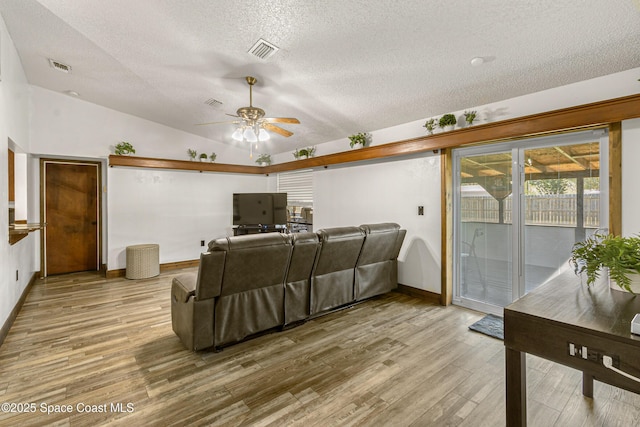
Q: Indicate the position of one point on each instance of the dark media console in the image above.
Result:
(241, 230)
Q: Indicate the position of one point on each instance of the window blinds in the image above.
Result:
(299, 187)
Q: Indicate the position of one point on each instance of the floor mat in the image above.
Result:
(490, 325)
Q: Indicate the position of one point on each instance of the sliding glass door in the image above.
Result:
(519, 207)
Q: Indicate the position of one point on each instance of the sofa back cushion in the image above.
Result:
(332, 278)
(253, 261)
(252, 293)
(297, 284)
(375, 268)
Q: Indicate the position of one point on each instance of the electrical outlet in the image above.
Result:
(420, 210)
(16, 275)
(201, 242)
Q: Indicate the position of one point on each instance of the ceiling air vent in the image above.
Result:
(263, 49)
(213, 102)
(60, 66)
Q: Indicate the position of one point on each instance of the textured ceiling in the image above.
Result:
(343, 66)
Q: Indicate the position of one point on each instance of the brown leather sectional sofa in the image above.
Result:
(253, 283)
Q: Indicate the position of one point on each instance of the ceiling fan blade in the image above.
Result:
(232, 115)
(281, 120)
(216, 123)
(276, 129)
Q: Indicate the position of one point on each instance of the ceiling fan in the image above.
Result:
(253, 124)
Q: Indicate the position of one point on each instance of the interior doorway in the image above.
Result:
(70, 208)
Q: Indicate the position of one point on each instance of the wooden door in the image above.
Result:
(72, 213)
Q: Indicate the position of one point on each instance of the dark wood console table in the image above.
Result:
(545, 322)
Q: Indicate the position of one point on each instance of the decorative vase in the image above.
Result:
(634, 285)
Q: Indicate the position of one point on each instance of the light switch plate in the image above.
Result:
(635, 325)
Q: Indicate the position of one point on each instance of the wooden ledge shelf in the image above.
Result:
(582, 116)
(154, 163)
(19, 231)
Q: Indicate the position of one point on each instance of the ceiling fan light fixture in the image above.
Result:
(250, 135)
(237, 134)
(263, 135)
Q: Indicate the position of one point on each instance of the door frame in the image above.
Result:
(517, 147)
(43, 248)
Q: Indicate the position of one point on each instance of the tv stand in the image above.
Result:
(241, 230)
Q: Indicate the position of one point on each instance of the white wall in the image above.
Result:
(630, 177)
(66, 126)
(14, 124)
(176, 209)
(388, 192)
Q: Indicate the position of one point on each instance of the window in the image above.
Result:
(299, 188)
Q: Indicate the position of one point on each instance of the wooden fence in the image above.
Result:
(554, 209)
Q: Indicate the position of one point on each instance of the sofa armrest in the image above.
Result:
(183, 287)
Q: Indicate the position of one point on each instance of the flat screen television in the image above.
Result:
(259, 208)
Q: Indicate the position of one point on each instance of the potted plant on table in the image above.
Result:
(213, 157)
(124, 148)
(204, 157)
(620, 255)
(192, 154)
(447, 122)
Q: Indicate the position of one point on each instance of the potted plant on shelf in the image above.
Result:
(430, 125)
(124, 148)
(303, 152)
(469, 117)
(264, 159)
(213, 157)
(359, 138)
(620, 255)
(311, 151)
(447, 122)
(192, 154)
(204, 157)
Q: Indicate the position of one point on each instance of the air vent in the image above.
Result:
(60, 66)
(263, 49)
(213, 102)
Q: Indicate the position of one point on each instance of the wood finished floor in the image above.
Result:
(393, 361)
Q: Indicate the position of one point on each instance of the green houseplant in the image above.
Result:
(204, 157)
(430, 125)
(469, 117)
(213, 157)
(264, 159)
(124, 148)
(621, 255)
(447, 120)
(192, 154)
(358, 138)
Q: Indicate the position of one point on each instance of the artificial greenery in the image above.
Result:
(192, 153)
(124, 148)
(621, 255)
(264, 158)
(430, 125)
(203, 156)
(447, 120)
(213, 157)
(470, 116)
(304, 152)
(358, 138)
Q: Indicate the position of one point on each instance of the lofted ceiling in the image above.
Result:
(342, 66)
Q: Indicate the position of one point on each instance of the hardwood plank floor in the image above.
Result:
(83, 340)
